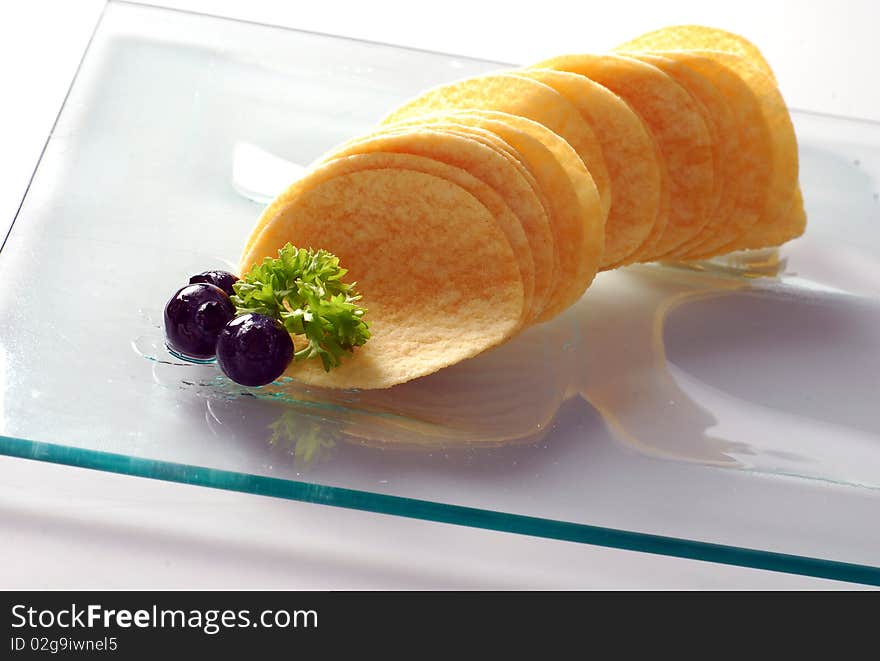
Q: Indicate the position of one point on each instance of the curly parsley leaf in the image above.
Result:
(304, 290)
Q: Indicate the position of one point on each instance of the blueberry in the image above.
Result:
(194, 317)
(254, 349)
(222, 279)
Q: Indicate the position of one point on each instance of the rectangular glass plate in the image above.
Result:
(726, 412)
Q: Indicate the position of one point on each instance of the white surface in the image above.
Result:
(70, 528)
(74, 528)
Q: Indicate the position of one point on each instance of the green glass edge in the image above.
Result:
(439, 512)
(413, 508)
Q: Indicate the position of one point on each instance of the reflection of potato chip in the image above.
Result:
(422, 250)
(793, 225)
(680, 131)
(511, 393)
(524, 97)
(630, 156)
(700, 37)
(568, 188)
(483, 163)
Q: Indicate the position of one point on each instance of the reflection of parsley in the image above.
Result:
(304, 290)
(305, 436)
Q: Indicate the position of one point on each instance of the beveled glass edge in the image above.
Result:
(472, 517)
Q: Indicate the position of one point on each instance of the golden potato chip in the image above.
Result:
(796, 220)
(782, 189)
(630, 156)
(792, 225)
(505, 92)
(533, 210)
(725, 142)
(699, 37)
(482, 402)
(438, 278)
(677, 125)
(529, 234)
(768, 151)
(752, 162)
(789, 227)
(569, 190)
(488, 204)
(480, 135)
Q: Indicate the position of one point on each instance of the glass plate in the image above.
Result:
(725, 411)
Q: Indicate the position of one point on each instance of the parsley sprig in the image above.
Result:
(304, 290)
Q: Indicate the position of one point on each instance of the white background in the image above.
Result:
(65, 527)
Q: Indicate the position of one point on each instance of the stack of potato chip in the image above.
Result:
(488, 204)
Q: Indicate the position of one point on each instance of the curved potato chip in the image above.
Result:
(677, 125)
(534, 253)
(444, 289)
(792, 225)
(725, 142)
(753, 160)
(528, 201)
(487, 165)
(630, 156)
(699, 37)
(773, 155)
(569, 189)
(508, 93)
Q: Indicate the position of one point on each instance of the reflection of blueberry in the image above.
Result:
(222, 279)
(194, 317)
(254, 349)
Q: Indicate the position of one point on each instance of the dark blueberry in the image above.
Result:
(194, 317)
(254, 349)
(222, 279)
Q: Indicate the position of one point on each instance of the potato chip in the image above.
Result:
(529, 234)
(480, 135)
(752, 161)
(768, 148)
(569, 190)
(527, 198)
(505, 92)
(438, 277)
(677, 125)
(792, 225)
(489, 204)
(700, 37)
(725, 142)
(789, 227)
(630, 156)
(774, 220)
